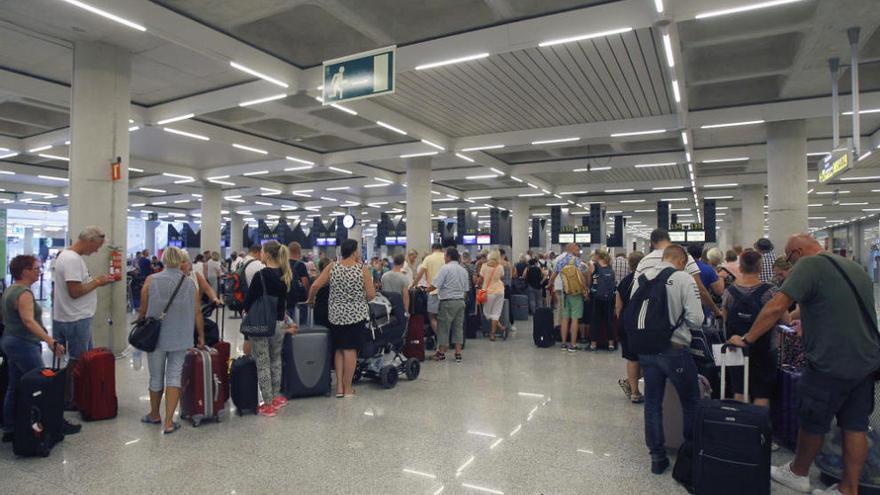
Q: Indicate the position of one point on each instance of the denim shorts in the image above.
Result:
(75, 336)
(821, 397)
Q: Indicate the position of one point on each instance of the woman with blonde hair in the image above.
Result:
(491, 278)
(273, 280)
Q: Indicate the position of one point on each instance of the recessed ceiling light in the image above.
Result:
(150, 189)
(258, 172)
(718, 197)
(106, 15)
(340, 188)
(248, 148)
(676, 92)
(583, 37)
(186, 134)
(632, 200)
(667, 45)
(176, 119)
(262, 100)
(480, 177)
(667, 188)
(709, 186)
(54, 157)
(258, 74)
(465, 158)
(638, 133)
(743, 8)
(340, 170)
(725, 160)
(553, 141)
(41, 148)
(731, 124)
(652, 165)
(530, 195)
(381, 184)
(611, 191)
(391, 127)
(866, 177)
(10, 155)
(298, 160)
(457, 60)
(414, 155)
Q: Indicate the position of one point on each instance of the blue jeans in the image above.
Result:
(21, 356)
(676, 365)
(536, 298)
(75, 336)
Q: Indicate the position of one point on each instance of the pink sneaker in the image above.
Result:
(266, 410)
(279, 402)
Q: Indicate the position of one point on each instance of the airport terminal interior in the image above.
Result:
(139, 137)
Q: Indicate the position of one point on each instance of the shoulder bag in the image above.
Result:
(144, 335)
(483, 293)
(260, 321)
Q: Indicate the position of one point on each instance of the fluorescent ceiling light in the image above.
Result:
(684, 137)
(304, 167)
(866, 155)
(235, 199)
(573, 192)
(176, 119)
(176, 176)
(10, 155)
(867, 177)
(54, 157)
(583, 37)
(632, 200)
(479, 177)
(150, 189)
(676, 92)
(326, 198)
(556, 204)
(638, 133)
(652, 165)
(496, 170)
(530, 195)
(667, 45)
(819, 153)
(299, 160)
(441, 63)
(709, 186)
(414, 155)
(221, 182)
(41, 148)
(180, 201)
(262, 100)
(380, 179)
(258, 172)
(718, 197)
(667, 188)
(870, 110)
(725, 160)
(435, 145)
(609, 191)
(465, 158)
(341, 188)
(854, 204)
(258, 74)
(340, 170)
(380, 184)
(344, 109)
(106, 15)
(592, 169)
(186, 134)
(643, 211)
(673, 200)
(391, 127)
(133, 128)
(731, 124)
(263, 203)
(248, 148)
(487, 147)
(743, 8)
(552, 141)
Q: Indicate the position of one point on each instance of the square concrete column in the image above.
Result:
(99, 113)
(786, 180)
(752, 214)
(735, 227)
(236, 232)
(150, 235)
(520, 226)
(418, 205)
(212, 198)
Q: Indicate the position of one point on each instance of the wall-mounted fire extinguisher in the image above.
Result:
(116, 263)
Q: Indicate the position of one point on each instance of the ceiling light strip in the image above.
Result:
(458, 60)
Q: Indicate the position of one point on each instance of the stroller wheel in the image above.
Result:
(388, 376)
(413, 367)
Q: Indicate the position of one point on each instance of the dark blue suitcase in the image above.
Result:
(543, 331)
(39, 411)
(243, 385)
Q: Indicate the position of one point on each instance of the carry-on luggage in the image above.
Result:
(305, 360)
(415, 337)
(472, 323)
(732, 442)
(519, 307)
(243, 385)
(783, 406)
(204, 379)
(39, 411)
(224, 348)
(543, 329)
(94, 385)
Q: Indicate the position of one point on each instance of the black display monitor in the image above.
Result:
(677, 236)
(566, 237)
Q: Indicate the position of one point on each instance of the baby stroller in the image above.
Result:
(381, 358)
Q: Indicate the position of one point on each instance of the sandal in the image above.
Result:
(457, 357)
(438, 356)
(340, 395)
(637, 399)
(148, 420)
(174, 427)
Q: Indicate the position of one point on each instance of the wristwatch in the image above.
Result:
(746, 342)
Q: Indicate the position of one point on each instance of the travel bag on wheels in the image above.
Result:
(243, 385)
(543, 331)
(519, 307)
(731, 446)
(783, 406)
(415, 337)
(204, 380)
(39, 411)
(94, 385)
(305, 360)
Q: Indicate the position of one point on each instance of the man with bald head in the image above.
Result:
(839, 323)
(572, 294)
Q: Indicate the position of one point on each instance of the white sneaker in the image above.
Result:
(832, 490)
(784, 476)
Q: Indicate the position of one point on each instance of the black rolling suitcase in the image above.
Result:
(543, 329)
(39, 411)
(243, 385)
(731, 448)
(305, 360)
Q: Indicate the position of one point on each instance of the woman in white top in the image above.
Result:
(410, 267)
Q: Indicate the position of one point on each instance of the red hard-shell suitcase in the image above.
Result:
(94, 385)
(204, 379)
(225, 350)
(415, 337)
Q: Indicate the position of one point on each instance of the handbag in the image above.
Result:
(144, 335)
(483, 293)
(260, 321)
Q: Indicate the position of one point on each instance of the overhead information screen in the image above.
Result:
(566, 238)
(359, 76)
(834, 164)
(582, 238)
(696, 236)
(677, 236)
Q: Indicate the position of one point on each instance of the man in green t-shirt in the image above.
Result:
(843, 352)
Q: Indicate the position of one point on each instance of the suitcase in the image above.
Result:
(472, 324)
(732, 444)
(784, 407)
(305, 361)
(243, 385)
(224, 348)
(519, 307)
(415, 337)
(4, 383)
(94, 385)
(204, 379)
(39, 411)
(543, 329)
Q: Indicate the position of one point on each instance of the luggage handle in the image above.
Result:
(745, 352)
(56, 359)
(310, 313)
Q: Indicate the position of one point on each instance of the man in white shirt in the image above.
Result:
(253, 262)
(75, 300)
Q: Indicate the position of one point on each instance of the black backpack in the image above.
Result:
(603, 285)
(646, 316)
(745, 309)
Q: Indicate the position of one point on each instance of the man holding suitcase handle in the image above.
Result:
(843, 353)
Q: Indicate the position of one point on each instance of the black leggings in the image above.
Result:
(602, 311)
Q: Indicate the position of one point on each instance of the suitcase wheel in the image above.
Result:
(413, 368)
(388, 376)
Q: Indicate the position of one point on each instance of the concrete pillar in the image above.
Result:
(786, 180)
(418, 205)
(520, 226)
(150, 236)
(99, 113)
(735, 227)
(28, 243)
(236, 229)
(212, 198)
(752, 226)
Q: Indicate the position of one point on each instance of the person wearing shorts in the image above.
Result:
(571, 305)
(491, 278)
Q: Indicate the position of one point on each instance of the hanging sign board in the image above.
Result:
(359, 76)
(835, 163)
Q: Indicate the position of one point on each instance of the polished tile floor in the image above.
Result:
(512, 419)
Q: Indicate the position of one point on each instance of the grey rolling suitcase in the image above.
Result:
(519, 306)
(305, 360)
